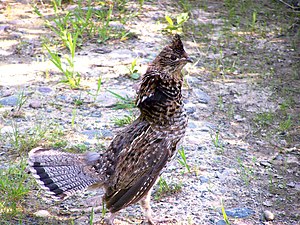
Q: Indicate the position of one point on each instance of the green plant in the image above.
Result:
(22, 98)
(254, 20)
(264, 119)
(104, 209)
(183, 161)
(127, 119)
(104, 29)
(92, 216)
(176, 27)
(99, 82)
(165, 189)
(73, 117)
(185, 5)
(13, 189)
(133, 72)
(216, 141)
(124, 102)
(285, 124)
(72, 77)
(246, 172)
(224, 213)
(28, 139)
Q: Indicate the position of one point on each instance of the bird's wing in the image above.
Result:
(138, 167)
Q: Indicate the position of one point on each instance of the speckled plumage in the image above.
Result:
(130, 166)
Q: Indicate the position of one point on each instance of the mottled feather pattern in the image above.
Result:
(132, 163)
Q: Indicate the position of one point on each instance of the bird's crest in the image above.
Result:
(177, 45)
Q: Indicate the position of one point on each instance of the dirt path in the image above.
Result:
(242, 95)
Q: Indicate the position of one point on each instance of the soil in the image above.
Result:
(242, 94)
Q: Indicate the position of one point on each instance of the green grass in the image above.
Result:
(215, 138)
(246, 171)
(264, 119)
(122, 121)
(183, 160)
(123, 102)
(14, 187)
(23, 140)
(225, 217)
(67, 67)
(165, 189)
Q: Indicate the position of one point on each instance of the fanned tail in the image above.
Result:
(63, 174)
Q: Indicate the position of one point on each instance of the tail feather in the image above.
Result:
(63, 174)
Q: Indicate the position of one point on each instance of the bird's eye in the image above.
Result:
(173, 57)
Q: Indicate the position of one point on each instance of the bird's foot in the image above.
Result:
(109, 220)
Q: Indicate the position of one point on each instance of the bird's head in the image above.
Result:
(172, 58)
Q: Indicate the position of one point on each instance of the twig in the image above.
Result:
(287, 4)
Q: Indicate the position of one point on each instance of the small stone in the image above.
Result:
(42, 213)
(291, 184)
(203, 179)
(201, 96)
(239, 118)
(221, 222)
(283, 143)
(6, 129)
(45, 90)
(190, 108)
(192, 125)
(292, 159)
(239, 212)
(267, 203)
(268, 215)
(193, 81)
(265, 163)
(116, 25)
(7, 93)
(35, 104)
(9, 101)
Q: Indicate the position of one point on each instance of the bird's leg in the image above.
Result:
(110, 219)
(146, 208)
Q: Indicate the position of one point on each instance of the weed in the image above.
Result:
(124, 102)
(104, 209)
(22, 98)
(165, 189)
(264, 119)
(183, 161)
(81, 147)
(216, 141)
(28, 139)
(13, 189)
(285, 124)
(133, 72)
(224, 213)
(127, 119)
(185, 5)
(246, 172)
(221, 102)
(180, 20)
(92, 216)
(73, 117)
(254, 20)
(72, 77)
(99, 82)
(103, 30)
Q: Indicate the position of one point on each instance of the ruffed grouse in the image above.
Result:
(130, 166)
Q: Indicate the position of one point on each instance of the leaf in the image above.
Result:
(181, 18)
(135, 76)
(169, 20)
